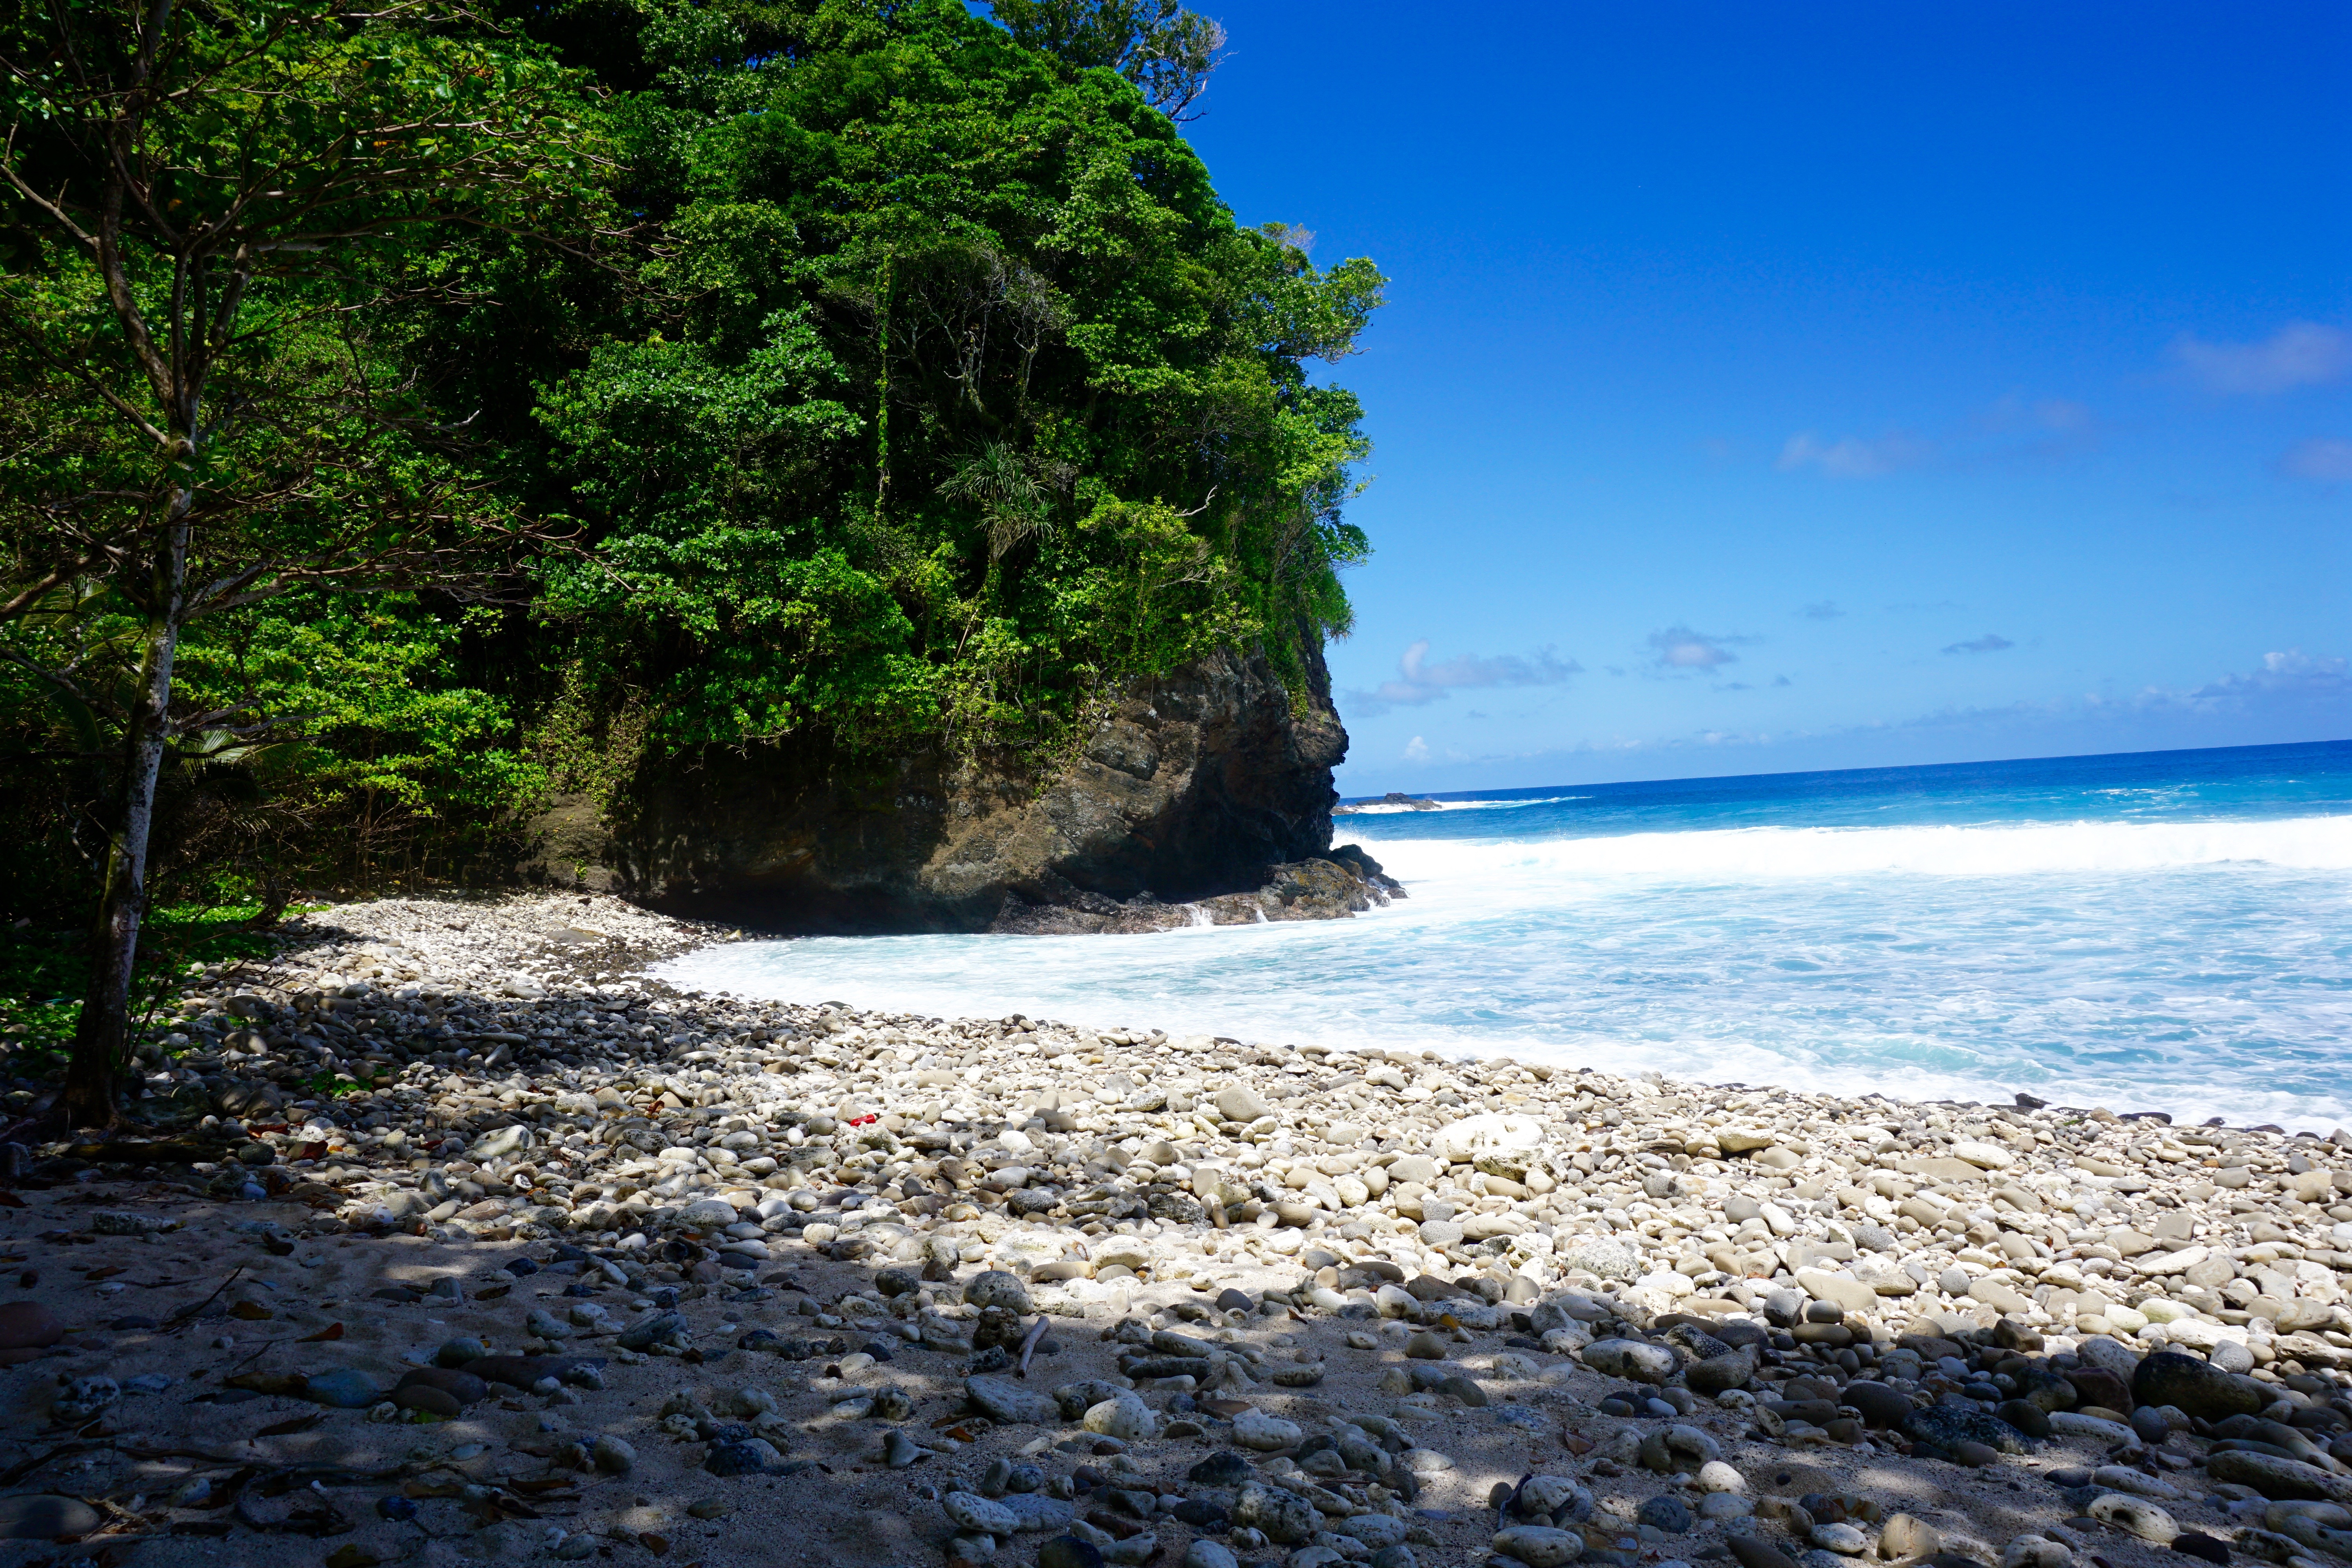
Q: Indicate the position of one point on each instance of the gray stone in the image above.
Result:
(1538, 1545)
(1033, 1511)
(660, 1327)
(2277, 1479)
(2135, 1516)
(1666, 1512)
(1237, 1103)
(1721, 1373)
(2196, 1387)
(344, 1390)
(1002, 1399)
(1949, 1426)
(1601, 1255)
(500, 1143)
(976, 1513)
(995, 1287)
(1463, 1389)
(1879, 1405)
(1904, 1537)
(1222, 1468)
(1374, 1530)
(34, 1516)
(749, 1456)
(1636, 1361)
(84, 1397)
(1286, 1518)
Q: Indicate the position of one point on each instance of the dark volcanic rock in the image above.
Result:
(2194, 1387)
(2098, 1385)
(1191, 786)
(2025, 1415)
(1949, 1426)
(1880, 1406)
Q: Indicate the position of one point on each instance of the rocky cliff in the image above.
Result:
(1209, 785)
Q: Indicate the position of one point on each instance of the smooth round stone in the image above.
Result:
(463, 1387)
(1719, 1374)
(976, 1513)
(1755, 1551)
(2135, 1516)
(1464, 1390)
(1538, 1545)
(1843, 1538)
(613, 1456)
(1256, 1429)
(34, 1515)
(2232, 1356)
(2196, 1387)
(995, 1287)
(1904, 1536)
(1975, 1456)
(1222, 1468)
(345, 1390)
(2025, 1415)
(29, 1325)
(1666, 1512)
(431, 1401)
(1715, 1476)
(1068, 1551)
(1880, 1406)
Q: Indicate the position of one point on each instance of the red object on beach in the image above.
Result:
(862, 1121)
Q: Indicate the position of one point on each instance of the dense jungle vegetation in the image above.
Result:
(415, 411)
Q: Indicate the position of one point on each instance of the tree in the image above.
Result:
(1163, 49)
(979, 401)
(220, 221)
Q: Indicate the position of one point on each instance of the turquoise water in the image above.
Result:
(2163, 931)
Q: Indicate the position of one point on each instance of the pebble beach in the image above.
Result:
(463, 1237)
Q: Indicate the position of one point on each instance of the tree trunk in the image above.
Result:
(103, 1037)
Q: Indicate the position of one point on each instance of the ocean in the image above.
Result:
(2164, 930)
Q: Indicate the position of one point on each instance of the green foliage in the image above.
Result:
(936, 394)
(977, 401)
(1166, 51)
(43, 972)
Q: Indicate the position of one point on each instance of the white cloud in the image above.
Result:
(1420, 682)
(1416, 750)
(2301, 353)
(1991, 642)
(2051, 416)
(1680, 648)
(2292, 674)
(1854, 458)
(2322, 460)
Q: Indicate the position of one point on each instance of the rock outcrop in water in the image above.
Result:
(1345, 882)
(1393, 798)
(1212, 785)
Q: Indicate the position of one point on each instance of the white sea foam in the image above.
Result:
(1734, 854)
(1387, 809)
(2199, 968)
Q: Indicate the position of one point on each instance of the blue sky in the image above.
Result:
(1769, 387)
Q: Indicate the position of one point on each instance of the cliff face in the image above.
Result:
(1197, 786)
